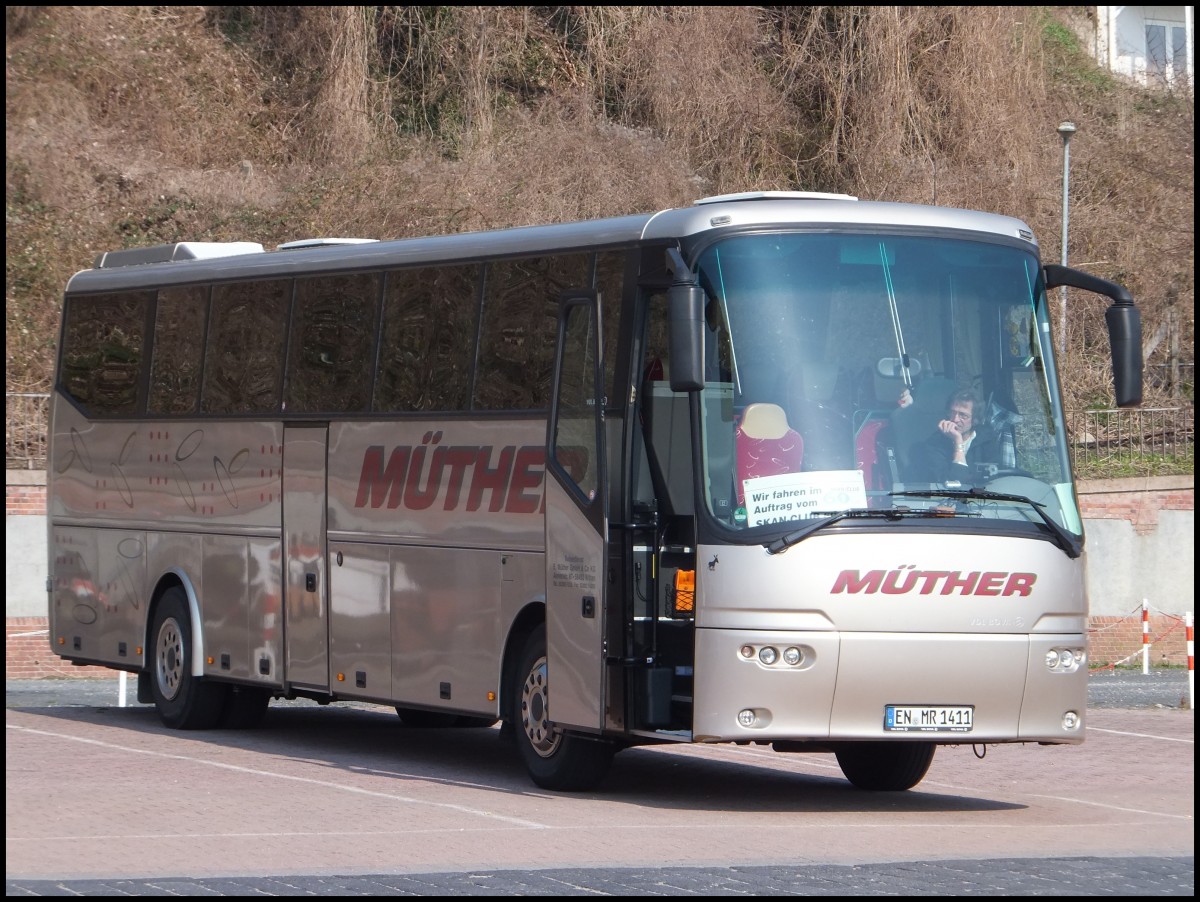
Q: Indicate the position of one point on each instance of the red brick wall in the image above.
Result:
(1118, 640)
(1136, 500)
(29, 500)
(28, 656)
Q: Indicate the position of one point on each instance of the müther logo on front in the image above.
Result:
(908, 580)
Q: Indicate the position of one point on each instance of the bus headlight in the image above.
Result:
(768, 655)
(792, 655)
(1065, 660)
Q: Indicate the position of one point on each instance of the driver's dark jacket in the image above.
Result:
(933, 459)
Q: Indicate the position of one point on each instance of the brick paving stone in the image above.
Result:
(1088, 876)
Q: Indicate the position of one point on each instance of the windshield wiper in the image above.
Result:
(857, 513)
(1062, 538)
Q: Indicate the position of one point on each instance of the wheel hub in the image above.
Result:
(168, 668)
(543, 736)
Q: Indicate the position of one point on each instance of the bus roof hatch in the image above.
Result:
(170, 253)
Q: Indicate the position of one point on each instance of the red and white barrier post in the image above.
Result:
(1191, 663)
(1145, 635)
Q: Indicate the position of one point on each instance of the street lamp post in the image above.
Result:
(1066, 129)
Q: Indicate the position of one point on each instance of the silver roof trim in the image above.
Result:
(775, 195)
(322, 242)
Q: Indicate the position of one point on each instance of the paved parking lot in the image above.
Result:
(102, 800)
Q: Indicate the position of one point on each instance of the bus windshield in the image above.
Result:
(879, 372)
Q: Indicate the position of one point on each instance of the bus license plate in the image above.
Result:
(928, 718)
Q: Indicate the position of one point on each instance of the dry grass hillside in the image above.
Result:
(138, 125)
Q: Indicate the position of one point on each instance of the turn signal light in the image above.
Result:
(685, 591)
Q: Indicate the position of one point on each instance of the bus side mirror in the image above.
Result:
(1125, 342)
(685, 320)
(685, 325)
(1124, 328)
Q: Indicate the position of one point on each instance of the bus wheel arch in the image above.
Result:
(530, 618)
(555, 759)
(184, 699)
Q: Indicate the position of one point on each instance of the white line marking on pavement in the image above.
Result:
(269, 835)
(1182, 817)
(1141, 735)
(266, 773)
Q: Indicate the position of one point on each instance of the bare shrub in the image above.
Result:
(135, 125)
(694, 76)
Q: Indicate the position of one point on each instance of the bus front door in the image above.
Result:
(306, 615)
(576, 521)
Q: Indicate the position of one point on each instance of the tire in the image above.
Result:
(885, 766)
(245, 707)
(184, 702)
(556, 759)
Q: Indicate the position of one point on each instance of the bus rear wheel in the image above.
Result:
(885, 766)
(184, 702)
(556, 759)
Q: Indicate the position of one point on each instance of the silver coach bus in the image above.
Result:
(780, 468)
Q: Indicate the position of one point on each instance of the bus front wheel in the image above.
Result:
(556, 759)
(184, 702)
(885, 766)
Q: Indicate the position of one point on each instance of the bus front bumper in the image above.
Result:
(941, 687)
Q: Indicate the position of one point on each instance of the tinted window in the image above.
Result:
(178, 350)
(333, 343)
(102, 351)
(520, 315)
(576, 433)
(610, 281)
(428, 339)
(243, 366)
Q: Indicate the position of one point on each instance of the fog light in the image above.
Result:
(1071, 721)
(747, 717)
(768, 655)
(792, 655)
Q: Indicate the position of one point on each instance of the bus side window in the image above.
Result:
(243, 363)
(332, 343)
(576, 448)
(103, 349)
(610, 284)
(427, 344)
(178, 355)
(520, 322)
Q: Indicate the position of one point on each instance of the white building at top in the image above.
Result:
(1154, 45)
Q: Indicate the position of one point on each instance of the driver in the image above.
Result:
(957, 444)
